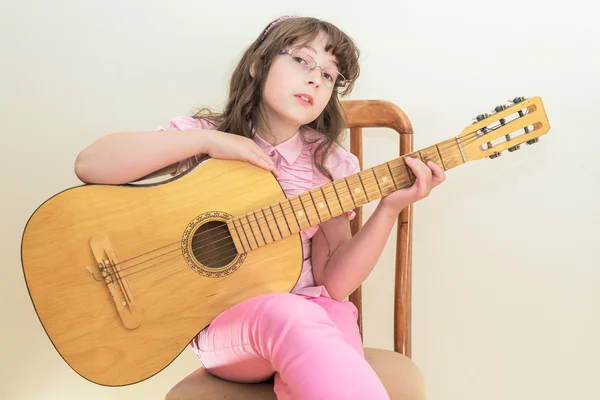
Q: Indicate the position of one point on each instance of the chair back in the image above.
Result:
(377, 113)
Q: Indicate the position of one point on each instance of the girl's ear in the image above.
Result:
(252, 67)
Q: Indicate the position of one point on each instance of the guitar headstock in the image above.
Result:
(507, 127)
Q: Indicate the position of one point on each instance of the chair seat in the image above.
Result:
(400, 376)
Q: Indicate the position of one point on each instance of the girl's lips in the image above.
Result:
(310, 99)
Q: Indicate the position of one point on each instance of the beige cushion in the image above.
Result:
(400, 376)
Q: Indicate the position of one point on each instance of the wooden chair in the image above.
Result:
(399, 374)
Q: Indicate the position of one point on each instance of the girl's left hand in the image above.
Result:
(428, 176)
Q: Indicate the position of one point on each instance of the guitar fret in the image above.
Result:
(461, 151)
(338, 197)
(321, 215)
(245, 234)
(380, 172)
(392, 175)
(259, 227)
(441, 158)
(350, 191)
(312, 206)
(267, 224)
(377, 182)
(275, 220)
(254, 230)
(399, 172)
(238, 233)
(363, 186)
(297, 228)
(330, 202)
(315, 206)
(295, 214)
(305, 212)
(411, 176)
(359, 195)
(270, 223)
(235, 236)
(454, 154)
(285, 218)
(431, 154)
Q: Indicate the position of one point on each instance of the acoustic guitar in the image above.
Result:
(122, 277)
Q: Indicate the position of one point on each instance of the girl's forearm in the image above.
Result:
(353, 261)
(127, 156)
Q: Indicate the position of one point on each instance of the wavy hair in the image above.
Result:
(242, 110)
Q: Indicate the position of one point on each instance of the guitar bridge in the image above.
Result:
(114, 278)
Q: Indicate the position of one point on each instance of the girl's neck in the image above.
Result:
(276, 131)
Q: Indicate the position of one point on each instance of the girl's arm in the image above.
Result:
(341, 262)
(128, 156)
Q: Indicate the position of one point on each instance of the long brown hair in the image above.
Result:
(242, 110)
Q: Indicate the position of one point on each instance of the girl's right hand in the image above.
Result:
(235, 147)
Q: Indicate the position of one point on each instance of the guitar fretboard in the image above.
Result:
(279, 220)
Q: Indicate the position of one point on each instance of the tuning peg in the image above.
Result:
(503, 122)
(533, 141)
(495, 155)
(518, 99)
(480, 117)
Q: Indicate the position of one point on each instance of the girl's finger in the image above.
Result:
(259, 154)
(438, 172)
(265, 162)
(423, 177)
(415, 165)
(419, 168)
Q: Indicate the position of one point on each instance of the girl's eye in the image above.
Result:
(299, 60)
(327, 76)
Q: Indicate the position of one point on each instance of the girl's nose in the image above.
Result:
(315, 77)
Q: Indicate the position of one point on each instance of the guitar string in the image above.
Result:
(248, 225)
(474, 135)
(199, 245)
(290, 209)
(225, 257)
(226, 235)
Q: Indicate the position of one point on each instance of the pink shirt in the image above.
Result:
(293, 161)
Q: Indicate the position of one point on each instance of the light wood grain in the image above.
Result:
(175, 302)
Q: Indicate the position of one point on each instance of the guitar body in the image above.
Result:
(123, 324)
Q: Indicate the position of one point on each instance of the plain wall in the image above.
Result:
(505, 257)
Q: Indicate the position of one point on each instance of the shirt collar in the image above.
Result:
(289, 150)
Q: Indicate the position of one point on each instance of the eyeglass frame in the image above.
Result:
(333, 87)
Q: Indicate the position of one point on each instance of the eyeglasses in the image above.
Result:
(332, 78)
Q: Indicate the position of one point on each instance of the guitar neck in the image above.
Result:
(279, 220)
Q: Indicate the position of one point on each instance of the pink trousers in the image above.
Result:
(311, 345)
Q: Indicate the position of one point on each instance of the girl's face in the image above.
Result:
(292, 93)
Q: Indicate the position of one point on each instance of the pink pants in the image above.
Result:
(312, 345)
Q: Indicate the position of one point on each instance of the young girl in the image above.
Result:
(284, 115)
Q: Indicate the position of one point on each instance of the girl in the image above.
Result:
(284, 115)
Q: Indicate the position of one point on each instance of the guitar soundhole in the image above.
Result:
(212, 245)
(208, 247)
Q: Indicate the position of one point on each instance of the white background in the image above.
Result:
(506, 270)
